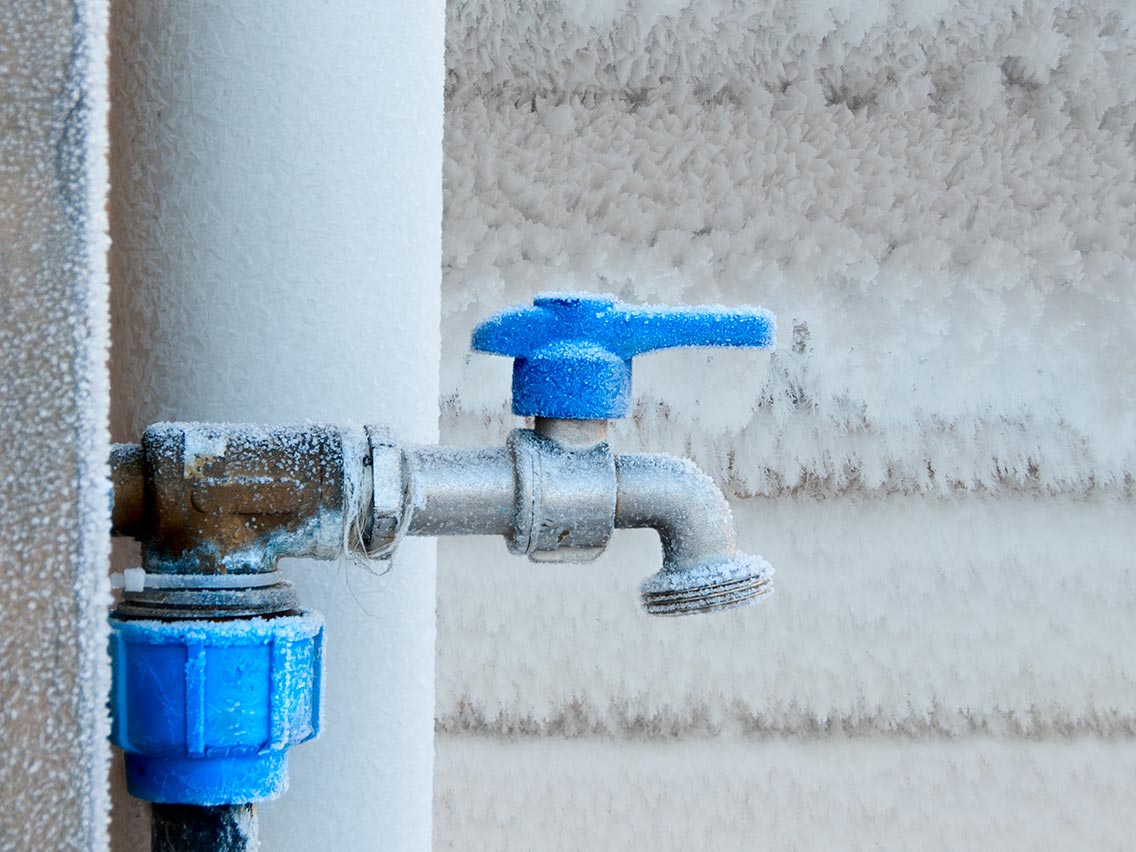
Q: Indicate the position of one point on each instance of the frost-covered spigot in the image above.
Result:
(216, 505)
(572, 371)
(210, 626)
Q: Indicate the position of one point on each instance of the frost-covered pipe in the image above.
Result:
(276, 219)
(555, 493)
(457, 491)
(558, 502)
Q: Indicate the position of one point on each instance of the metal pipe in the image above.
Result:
(457, 491)
(127, 476)
(556, 493)
(189, 828)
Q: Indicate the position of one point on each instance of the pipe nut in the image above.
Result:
(385, 525)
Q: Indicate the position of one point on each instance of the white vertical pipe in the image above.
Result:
(277, 224)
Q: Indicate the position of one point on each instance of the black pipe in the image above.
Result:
(189, 828)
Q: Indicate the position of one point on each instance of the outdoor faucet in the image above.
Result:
(209, 625)
(572, 372)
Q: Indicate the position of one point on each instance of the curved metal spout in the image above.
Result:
(555, 500)
(703, 571)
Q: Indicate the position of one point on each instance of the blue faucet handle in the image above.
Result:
(573, 351)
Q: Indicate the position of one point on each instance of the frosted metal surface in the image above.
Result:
(54, 507)
(277, 215)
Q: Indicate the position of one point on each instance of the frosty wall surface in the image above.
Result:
(785, 795)
(937, 202)
(277, 222)
(1006, 617)
(54, 506)
(942, 213)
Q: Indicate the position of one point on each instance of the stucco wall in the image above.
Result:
(937, 202)
(54, 506)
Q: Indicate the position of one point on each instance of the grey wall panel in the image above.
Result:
(54, 506)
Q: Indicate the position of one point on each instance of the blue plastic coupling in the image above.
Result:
(206, 711)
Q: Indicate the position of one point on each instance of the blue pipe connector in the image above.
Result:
(573, 351)
(207, 710)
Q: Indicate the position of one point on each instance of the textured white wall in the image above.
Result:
(277, 216)
(54, 505)
(937, 201)
(942, 195)
(728, 794)
(1008, 616)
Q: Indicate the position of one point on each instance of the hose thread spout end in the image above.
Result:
(735, 581)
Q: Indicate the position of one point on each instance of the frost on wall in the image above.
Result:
(54, 503)
(903, 617)
(847, 795)
(938, 202)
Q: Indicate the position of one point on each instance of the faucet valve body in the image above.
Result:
(572, 362)
(565, 498)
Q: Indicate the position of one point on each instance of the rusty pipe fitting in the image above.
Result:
(217, 505)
